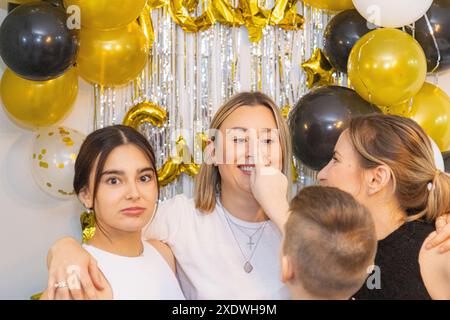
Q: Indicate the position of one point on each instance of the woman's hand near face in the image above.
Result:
(442, 237)
(269, 187)
(67, 261)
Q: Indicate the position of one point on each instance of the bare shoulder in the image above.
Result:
(165, 251)
(435, 270)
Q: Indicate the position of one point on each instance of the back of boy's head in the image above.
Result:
(331, 241)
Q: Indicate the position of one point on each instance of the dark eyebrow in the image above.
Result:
(238, 128)
(146, 169)
(122, 173)
(246, 129)
(116, 172)
(269, 130)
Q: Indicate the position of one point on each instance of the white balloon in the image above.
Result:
(54, 152)
(438, 159)
(392, 13)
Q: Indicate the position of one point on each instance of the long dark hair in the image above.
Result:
(99, 144)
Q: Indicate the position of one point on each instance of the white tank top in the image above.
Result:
(147, 277)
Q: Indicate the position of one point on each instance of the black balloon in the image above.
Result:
(446, 156)
(56, 3)
(341, 34)
(439, 18)
(319, 118)
(12, 6)
(35, 42)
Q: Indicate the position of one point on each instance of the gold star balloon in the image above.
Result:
(318, 69)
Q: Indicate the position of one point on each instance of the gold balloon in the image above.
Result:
(182, 149)
(155, 4)
(319, 70)
(256, 18)
(145, 21)
(223, 12)
(387, 67)
(36, 296)
(201, 140)
(285, 16)
(333, 5)
(430, 108)
(285, 111)
(294, 172)
(191, 5)
(145, 112)
(34, 104)
(107, 14)
(169, 172)
(112, 58)
(183, 162)
(191, 169)
(21, 1)
(185, 21)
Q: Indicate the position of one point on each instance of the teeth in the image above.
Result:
(247, 168)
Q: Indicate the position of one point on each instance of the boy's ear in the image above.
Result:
(287, 269)
(85, 198)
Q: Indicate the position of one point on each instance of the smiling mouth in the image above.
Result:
(247, 168)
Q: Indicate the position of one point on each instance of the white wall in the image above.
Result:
(30, 221)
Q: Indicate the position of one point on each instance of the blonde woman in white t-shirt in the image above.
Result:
(226, 240)
(115, 178)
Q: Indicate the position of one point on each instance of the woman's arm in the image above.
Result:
(68, 262)
(165, 251)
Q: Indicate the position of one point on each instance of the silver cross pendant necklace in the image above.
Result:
(248, 267)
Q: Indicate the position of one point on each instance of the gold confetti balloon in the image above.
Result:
(53, 158)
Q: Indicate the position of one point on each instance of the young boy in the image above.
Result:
(329, 245)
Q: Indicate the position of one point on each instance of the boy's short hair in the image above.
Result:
(331, 240)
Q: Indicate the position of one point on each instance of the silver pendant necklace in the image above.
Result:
(250, 242)
(248, 267)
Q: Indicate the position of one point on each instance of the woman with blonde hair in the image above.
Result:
(387, 164)
(224, 242)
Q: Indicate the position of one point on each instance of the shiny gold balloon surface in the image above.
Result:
(34, 104)
(112, 58)
(318, 69)
(387, 67)
(145, 112)
(107, 14)
(333, 5)
(430, 108)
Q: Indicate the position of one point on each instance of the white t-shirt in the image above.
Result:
(210, 264)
